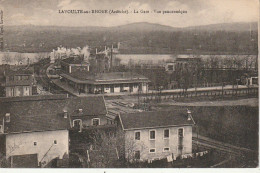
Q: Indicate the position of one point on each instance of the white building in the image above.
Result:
(34, 133)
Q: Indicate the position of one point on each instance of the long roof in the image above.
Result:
(149, 120)
(75, 60)
(20, 71)
(35, 114)
(105, 78)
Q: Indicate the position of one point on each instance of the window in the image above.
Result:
(65, 114)
(55, 141)
(152, 150)
(137, 135)
(12, 91)
(166, 133)
(7, 117)
(137, 155)
(166, 149)
(152, 135)
(180, 133)
(170, 67)
(95, 121)
(35, 143)
(77, 123)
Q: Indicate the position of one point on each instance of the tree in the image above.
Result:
(6, 58)
(130, 148)
(105, 148)
(19, 58)
(40, 56)
(109, 144)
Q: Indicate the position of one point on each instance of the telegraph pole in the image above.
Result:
(1, 30)
(111, 58)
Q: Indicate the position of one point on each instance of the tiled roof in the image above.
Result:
(141, 120)
(94, 105)
(35, 114)
(36, 123)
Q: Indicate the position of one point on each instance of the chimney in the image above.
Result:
(189, 114)
(80, 110)
(7, 117)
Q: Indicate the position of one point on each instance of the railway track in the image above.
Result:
(223, 146)
(242, 157)
(45, 82)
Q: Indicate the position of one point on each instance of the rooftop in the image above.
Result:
(20, 71)
(105, 78)
(45, 113)
(143, 120)
(75, 60)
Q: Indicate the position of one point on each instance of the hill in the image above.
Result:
(143, 26)
(226, 27)
(141, 38)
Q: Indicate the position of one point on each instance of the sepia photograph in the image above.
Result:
(129, 84)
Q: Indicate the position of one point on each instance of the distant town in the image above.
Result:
(130, 104)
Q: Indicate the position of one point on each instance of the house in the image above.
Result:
(156, 135)
(36, 128)
(169, 66)
(19, 82)
(88, 112)
(71, 64)
(33, 132)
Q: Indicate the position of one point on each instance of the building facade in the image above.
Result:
(19, 83)
(156, 135)
(47, 145)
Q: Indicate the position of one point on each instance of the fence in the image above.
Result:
(235, 92)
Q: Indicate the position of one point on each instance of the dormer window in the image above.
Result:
(7, 117)
(65, 114)
(80, 110)
(189, 114)
(95, 121)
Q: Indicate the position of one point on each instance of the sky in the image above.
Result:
(199, 12)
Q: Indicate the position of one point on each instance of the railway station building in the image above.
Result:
(111, 82)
